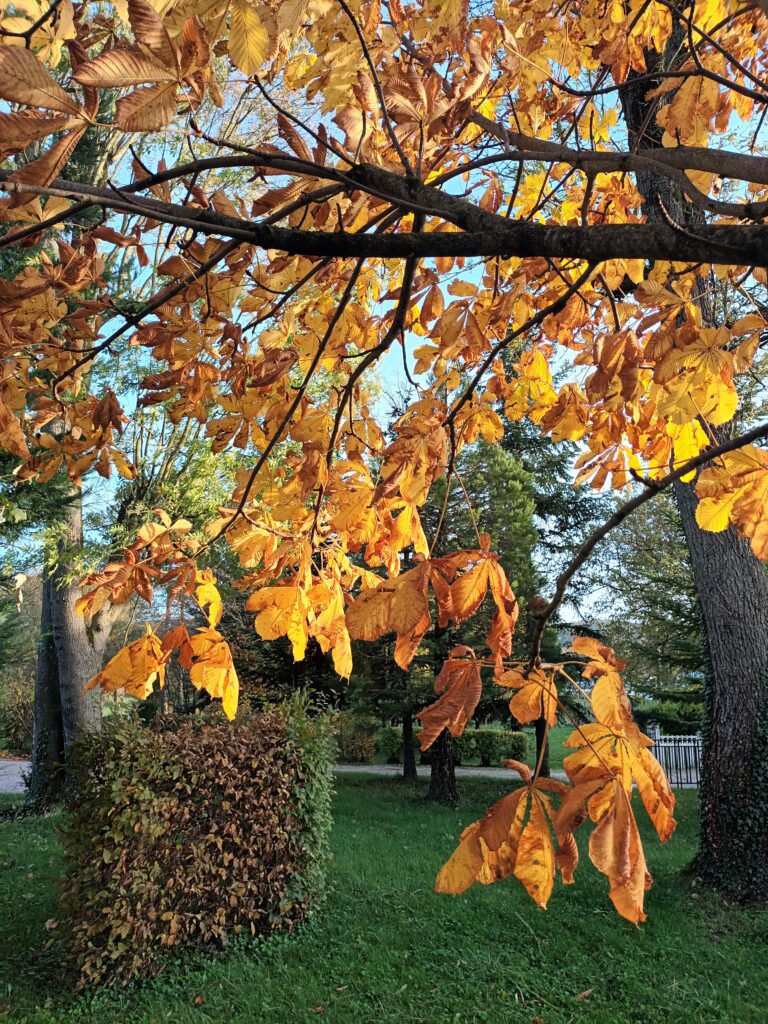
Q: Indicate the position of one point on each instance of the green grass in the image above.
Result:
(386, 949)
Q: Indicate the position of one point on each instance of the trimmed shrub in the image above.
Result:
(490, 746)
(17, 714)
(189, 832)
(389, 743)
(493, 746)
(515, 746)
(355, 738)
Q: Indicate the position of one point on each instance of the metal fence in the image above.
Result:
(679, 756)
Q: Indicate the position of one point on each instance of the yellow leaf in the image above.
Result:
(213, 669)
(136, 668)
(249, 42)
(207, 593)
(536, 695)
(535, 865)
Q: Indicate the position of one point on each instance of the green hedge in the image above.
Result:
(389, 744)
(189, 832)
(489, 746)
(354, 737)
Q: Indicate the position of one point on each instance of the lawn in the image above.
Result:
(387, 950)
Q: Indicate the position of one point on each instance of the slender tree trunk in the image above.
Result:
(442, 777)
(542, 741)
(47, 776)
(79, 648)
(409, 754)
(732, 589)
(442, 774)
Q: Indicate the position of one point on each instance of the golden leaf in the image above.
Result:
(23, 79)
(249, 42)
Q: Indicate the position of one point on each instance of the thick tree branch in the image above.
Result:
(485, 234)
(601, 532)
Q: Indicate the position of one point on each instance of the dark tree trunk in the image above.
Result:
(442, 776)
(732, 592)
(47, 778)
(542, 741)
(409, 754)
(732, 589)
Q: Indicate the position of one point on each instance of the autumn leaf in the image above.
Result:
(249, 42)
(147, 109)
(135, 669)
(23, 79)
(207, 593)
(459, 687)
(514, 837)
(616, 850)
(536, 695)
(213, 669)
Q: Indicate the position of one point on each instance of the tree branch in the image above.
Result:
(625, 510)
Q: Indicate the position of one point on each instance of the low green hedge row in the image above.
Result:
(489, 746)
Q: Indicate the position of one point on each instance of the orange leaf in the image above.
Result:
(460, 685)
(616, 850)
(536, 695)
(23, 79)
(213, 669)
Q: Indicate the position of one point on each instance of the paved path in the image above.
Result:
(393, 770)
(11, 772)
(423, 770)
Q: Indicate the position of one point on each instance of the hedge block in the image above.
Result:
(188, 832)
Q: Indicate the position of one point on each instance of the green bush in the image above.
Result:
(496, 746)
(17, 714)
(490, 746)
(188, 832)
(389, 743)
(355, 738)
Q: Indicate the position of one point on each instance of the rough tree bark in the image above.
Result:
(733, 595)
(732, 589)
(442, 776)
(48, 738)
(69, 654)
(409, 754)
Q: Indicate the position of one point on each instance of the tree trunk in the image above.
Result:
(47, 776)
(732, 589)
(79, 648)
(542, 741)
(69, 654)
(409, 753)
(732, 592)
(442, 776)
